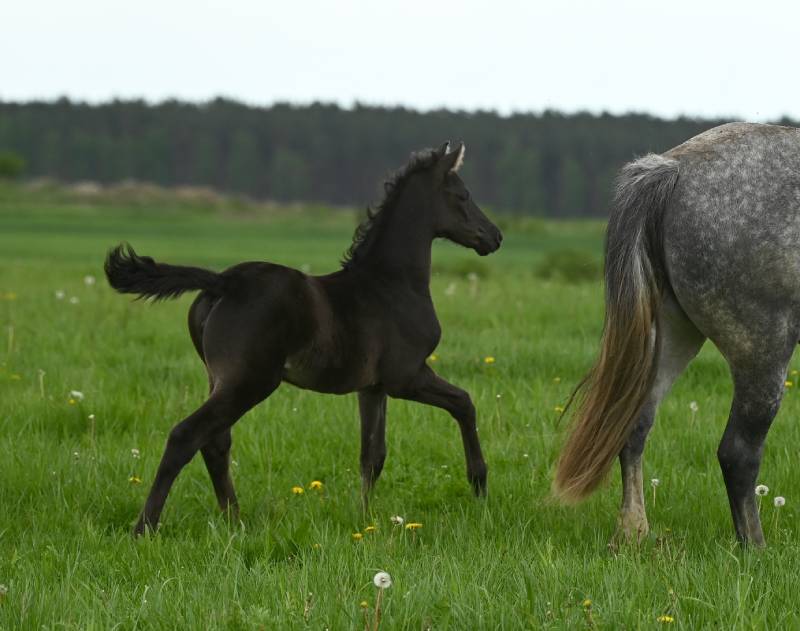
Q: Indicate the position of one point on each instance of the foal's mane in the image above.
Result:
(419, 161)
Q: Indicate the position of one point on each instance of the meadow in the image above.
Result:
(519, 330)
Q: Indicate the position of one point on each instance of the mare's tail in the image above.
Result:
(612, 395)
(129, 273)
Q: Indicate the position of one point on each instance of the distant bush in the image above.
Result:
(571, 266)
(11, 165)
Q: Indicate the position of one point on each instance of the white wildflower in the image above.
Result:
(655, 482)
(779, 501)
(60, 294)
(74, 300)
(694, 407)
(76, 394)
(382, 580)
(397, 520)
(762, 489)
(89, 280)
(135, 453)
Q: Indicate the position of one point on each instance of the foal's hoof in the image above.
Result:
(478, 483)
(141, 528)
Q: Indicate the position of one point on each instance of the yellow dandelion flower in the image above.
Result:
(315, 485)
(557, 380)
(357, 536)
(364, 604)
(135, 479)
(72, 401)
(665, 619)
(413, 525)
(15, 377)
(587, 603)
(298, 490)
(794, 373)
(488, 359)
(316, 546)
(433, 357)
(788, 384)
(558, 409)
(11, 296)
(370, 529)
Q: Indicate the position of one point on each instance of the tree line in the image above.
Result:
(547, 164)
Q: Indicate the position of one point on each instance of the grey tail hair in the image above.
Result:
(613, 393)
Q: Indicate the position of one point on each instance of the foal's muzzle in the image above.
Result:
(488, 241)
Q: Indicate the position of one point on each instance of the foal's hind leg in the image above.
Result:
(428, 387)
(217, 456)
(758, 389)
(680, 340)
(224, 407)
(372, 406)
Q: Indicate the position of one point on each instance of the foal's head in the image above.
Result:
(455, 216)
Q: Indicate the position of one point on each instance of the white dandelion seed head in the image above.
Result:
(135, 453)
(397, 520)
(89, 280)
(91, 417)
(3, 589)
(76, 394)
(779, 501)
(76, 455)
(450, 290)
(382, 580)
(60, 294)
(74, 300)
(762, 490)
(693, 406)
(472, 277)
(655, 482)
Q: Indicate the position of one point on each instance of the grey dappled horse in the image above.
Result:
(702, 243)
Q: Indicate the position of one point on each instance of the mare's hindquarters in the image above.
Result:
(731, 240)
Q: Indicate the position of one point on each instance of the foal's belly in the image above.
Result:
(333, 373)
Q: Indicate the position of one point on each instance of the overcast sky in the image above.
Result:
(702, 58)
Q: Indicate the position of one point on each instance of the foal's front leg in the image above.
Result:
(427, 387)
(372, 406)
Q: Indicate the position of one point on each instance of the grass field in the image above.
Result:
(68, 484)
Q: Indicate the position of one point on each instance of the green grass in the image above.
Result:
(515, 560)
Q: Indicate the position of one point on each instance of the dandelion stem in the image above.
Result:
(377, 619)
(10, 338)
(41, 381)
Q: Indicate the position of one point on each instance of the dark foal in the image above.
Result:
(367, 328)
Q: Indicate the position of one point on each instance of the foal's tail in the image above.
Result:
(129, 273)
(612, 395)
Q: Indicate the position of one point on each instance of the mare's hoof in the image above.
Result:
(631, 529)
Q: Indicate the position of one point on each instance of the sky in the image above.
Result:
(706, 58)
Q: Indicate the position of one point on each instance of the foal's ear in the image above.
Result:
(444, 149)
(451, 162)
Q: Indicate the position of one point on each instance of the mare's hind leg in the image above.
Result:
(428, 387)
(372, 407)
(680, 341)
(223, 408)
(758, 388)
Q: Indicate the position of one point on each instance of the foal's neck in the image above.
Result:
(401, 246)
